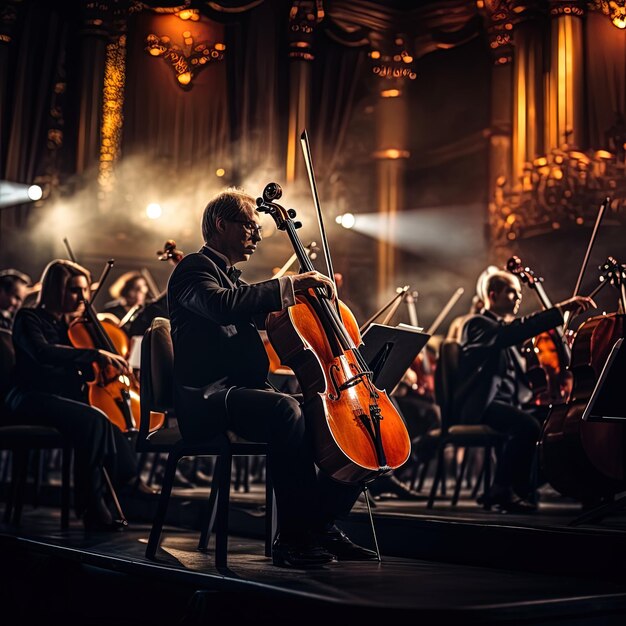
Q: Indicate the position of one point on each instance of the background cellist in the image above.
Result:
(492, 387)
(50, 376)
(221, 367)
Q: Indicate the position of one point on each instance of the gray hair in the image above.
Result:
(227, 205)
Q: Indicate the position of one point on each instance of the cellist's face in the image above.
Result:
(76, 291)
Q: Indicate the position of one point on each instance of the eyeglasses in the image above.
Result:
(252, 228)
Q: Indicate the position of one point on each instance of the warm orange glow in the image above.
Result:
(407, 58)
(390, 93)
(603, 154)
(220, 46)
(184, 78)
(155, 52)
(392, 153)
(375, 54)
(220, 171)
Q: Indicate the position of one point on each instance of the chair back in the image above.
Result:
(157, 373)
(7, 363)
(446, 379)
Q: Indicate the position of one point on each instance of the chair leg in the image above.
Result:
(459, 478)
(479, 478)
(164, 498)
(209, 521)
(487, 473)
(270, 515)
(38, 476)
(223, 503)
(20, 469)
(424, 472)
(439, 473)
(66, 465)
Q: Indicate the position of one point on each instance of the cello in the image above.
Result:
(585, 459)
(357, 433)
(550, 354)
(117, 395)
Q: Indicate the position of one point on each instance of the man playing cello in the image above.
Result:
(220, 372)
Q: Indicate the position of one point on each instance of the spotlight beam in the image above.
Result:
(17, 193)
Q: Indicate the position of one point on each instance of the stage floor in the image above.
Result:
(481, 567)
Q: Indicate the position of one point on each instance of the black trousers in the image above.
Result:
(307, 500)
(95, 440)
(515, 464)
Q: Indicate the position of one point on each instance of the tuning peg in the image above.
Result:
(291, 213)
(298, 224)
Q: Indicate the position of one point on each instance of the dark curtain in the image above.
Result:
(605, 57)
(337, 71)
(257, 90)
(40, 48)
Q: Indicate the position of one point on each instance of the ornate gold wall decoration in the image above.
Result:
(188, 60)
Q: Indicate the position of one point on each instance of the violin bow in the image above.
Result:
(308, 161)
(400, 295)
(583, 267)
(105, 272)
(454, 298)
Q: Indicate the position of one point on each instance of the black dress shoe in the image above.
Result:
(507, 503)
(302, 553)
(338, 544)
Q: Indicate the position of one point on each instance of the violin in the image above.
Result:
(117, 395)
(585, 459)
(547, 355)
(356, 431)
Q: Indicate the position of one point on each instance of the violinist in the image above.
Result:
(492, 387)
(50, 390)
(130, 291)
(220, 372)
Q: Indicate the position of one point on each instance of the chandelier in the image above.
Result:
(615, 9)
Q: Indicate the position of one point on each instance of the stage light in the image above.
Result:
(347, 220)
(220, 171)
(18, 193)
(35, 192)
(153, 211)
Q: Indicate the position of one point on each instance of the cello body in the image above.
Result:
(585, 459)
(342, 434)
(117, 395)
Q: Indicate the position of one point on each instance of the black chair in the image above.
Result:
(466, 436)
(157, 372)
(23, 439)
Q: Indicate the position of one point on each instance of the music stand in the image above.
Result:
(607, 399)
(389, 351)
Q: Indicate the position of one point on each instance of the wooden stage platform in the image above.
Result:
(444, 566)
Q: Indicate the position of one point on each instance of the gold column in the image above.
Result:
(303, 17)
(95, 18)
(564, 80)
(392, 133)
(527, 91)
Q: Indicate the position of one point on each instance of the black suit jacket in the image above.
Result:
(486, 352)
(216, 342)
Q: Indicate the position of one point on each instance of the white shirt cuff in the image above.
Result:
(287, 294)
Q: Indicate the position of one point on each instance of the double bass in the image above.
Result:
(357, 433)
(586, 459)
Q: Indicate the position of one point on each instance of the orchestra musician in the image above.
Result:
(13, 286)
(220, 374)
(492, 388)
(129, 292)
(50, 390)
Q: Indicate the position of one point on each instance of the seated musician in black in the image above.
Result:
(13, 286)
(491, 387)
(50, 390)
(220, 373)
